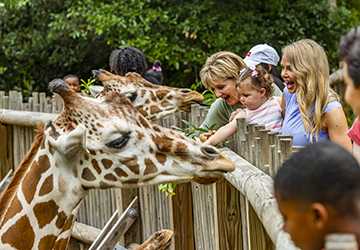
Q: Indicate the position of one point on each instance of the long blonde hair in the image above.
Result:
(308, 61)
(222, 65)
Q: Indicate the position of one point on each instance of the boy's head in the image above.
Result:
(127, 59)
(318, 192)
(350, 53)
(73, 82)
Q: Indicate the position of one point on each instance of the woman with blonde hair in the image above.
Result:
(312, 111)
(219, 74)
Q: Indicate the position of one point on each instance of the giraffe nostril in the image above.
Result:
(210, 151)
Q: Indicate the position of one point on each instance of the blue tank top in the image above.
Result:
(293, 124)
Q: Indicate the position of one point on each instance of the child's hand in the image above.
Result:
(204, 136)
(239, 113)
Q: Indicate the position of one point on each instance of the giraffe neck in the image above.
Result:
(40, 213)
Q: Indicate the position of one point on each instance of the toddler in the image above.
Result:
(255, 90)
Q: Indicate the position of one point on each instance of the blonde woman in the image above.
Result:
(312, 111)
(219, 74)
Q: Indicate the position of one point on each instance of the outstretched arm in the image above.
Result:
(222, 133)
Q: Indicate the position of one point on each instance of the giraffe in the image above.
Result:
(93, 143)
(153, 101)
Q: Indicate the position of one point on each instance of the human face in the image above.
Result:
(288, 75)
(302, 223)
(73, 84)
(250, 97)
(352, 94)
(226, 89)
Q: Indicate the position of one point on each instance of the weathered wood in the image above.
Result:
(228, 211)
(85, 233)
(115, 227)
(204, 204)
(257, 187)
(25, 118)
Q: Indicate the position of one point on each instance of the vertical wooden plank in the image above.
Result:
(259, 240)
(204, 205)
(5, 151)
(182, 203)
(183, 217)
(229, 213)
(124, 198)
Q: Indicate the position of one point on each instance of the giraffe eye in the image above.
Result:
(119, 142)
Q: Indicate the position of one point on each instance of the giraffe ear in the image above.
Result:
(70, 144)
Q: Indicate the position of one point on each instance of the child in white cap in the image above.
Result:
(267, 57)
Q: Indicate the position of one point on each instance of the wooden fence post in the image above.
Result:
(204, 204)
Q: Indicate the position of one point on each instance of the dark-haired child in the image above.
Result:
(255, 91)
(350, 54)
(127, 59)
(318, 193)
(73, 82)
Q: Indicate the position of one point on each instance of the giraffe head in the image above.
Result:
(109, 143)
(153, 101)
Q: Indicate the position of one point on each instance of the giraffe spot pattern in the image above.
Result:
(160, 157)
(163, 143)
(16, 207)
(107, 163)
(15, 239)
(45, 212)
(181, 148)
(32, 178)
(60, 220)
(87, 175)
(47, 186)
(95, 164)
(150, 167)
(132, 164)
(140, 135)
(47, 242)
(144, 122)
(61, 244)
(110, 177)
(161, 93)
(154, 109)
(121, 173)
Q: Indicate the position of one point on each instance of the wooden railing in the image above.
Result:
(238, 212)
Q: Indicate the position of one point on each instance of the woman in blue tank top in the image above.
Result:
(312, 111)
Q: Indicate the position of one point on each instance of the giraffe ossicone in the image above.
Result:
(152, 100)
(93, 143)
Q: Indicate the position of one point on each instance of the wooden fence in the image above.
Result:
(238, 212)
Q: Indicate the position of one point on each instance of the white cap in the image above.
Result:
(261, 53)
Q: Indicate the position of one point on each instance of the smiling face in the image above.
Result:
(288, 75)
(251, 97)
(352, 94)
(226, 89)
(111, 144)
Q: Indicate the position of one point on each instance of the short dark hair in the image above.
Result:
(350, 53)
(127, 59)
(71, 76)
(322, 172)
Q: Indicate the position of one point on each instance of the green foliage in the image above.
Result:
(42, 40)
(168, 188)
(86, 85)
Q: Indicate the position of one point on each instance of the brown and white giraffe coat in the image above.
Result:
(93, 144)
(153, 101)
